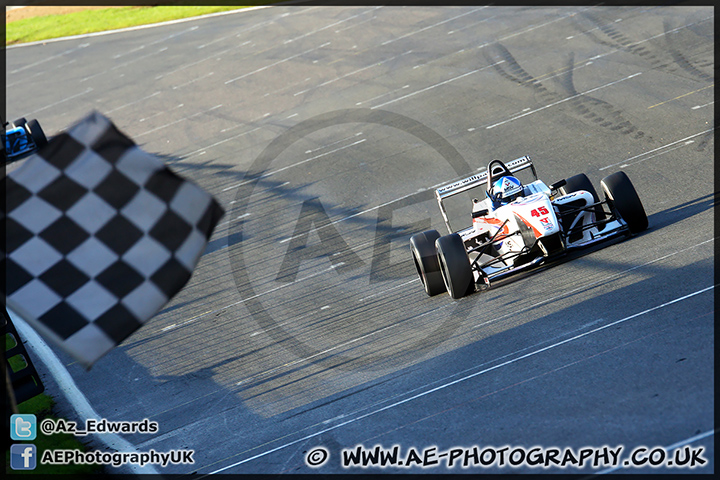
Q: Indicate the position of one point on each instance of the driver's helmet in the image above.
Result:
(505, 190)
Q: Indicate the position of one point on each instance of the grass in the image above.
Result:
(91, 21)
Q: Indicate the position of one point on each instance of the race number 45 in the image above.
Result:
(539, 212)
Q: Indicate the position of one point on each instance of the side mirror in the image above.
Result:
(558, 184)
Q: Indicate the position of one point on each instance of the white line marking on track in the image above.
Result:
(377, 64)
(72, 393)
(462, 379)
(277, 63)
(388, 290)
(561, 101)
(701, 106)
(294, 164)
(658, 154)
(133, 103)
(164, 39)
(658, 148)
(436, 85)
(432, 26)
(222, 141)
(193, 81)
(216, 55)
(307, 152)
(357, 24)
(47, 59)
(326, 27)
(146, 132)
(61, 101)
(383, 95)
(357, 214)
(196, 317)
(121, 65)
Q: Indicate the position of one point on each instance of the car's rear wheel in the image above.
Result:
(454, 265)
(36, 132)
(425, 256)
(622, 197)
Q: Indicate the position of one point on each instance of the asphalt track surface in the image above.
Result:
(322, 131)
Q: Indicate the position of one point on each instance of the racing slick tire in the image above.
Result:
(20, 122)
(622, 198)
(582, 182)
(426, 261)
(454, 265)
(37, 134)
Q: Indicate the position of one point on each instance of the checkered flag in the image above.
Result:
(100, 235)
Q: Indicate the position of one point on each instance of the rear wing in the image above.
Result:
(477, 180)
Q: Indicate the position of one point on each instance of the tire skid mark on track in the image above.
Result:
(525, 114)
(582, 105)
(619, 19)
(598, 111)
(657, 58)
(465, 50)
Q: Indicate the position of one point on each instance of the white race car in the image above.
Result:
(518, 226)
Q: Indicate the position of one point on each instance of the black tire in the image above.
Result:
(454, 265)
(20, 122)
(582, 182)
(622, 197)
(37, 134)
(425, 256)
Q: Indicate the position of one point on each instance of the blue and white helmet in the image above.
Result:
(505, 190)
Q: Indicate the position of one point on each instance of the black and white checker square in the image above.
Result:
(100, 235)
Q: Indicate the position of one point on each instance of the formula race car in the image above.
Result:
(519, 226)
(22, 137)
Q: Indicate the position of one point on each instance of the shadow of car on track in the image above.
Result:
(681, 212)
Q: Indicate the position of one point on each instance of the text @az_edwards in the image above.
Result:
(50, 426)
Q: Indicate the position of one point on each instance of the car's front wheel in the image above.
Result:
(33, 128)
(622, 197)
(454, 265)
